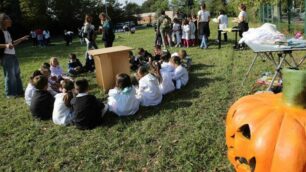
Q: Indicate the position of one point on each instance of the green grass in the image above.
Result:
(184, 133)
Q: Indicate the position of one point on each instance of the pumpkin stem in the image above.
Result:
(294, 88)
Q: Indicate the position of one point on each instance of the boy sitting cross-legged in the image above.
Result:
(42, 101)
(88, 111)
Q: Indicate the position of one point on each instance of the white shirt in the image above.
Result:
(203, 16)
(56, 71)
(181, 74)
(33, 34)
(28, 94)
(167, 85)
(123, 102)
(8, 39)
(148, 92)
(82, 94)
(46, 34)
(223, 21)
(243, 15)
(166, 66)
(186, 32)
(62, 115)
(176, 27)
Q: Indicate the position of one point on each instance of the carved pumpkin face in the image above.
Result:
(263, 134)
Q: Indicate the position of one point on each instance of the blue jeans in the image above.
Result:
(204, 42)
(13, 83)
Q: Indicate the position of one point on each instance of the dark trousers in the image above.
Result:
(108, 44)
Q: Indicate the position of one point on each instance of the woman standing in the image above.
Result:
(203, 25)
(242, 20)
(9, 61)
(107, 30)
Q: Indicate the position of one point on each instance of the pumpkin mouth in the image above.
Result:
(243, 161)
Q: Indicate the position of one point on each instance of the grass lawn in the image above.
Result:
(184, 133)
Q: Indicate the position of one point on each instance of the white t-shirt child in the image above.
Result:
(28, 94)
(186, 32)
(180, 76)
(166, 66)
(167, 85)
(62, 115)
(56, 71)
(223, 21)
(123, 102)
(148, 91)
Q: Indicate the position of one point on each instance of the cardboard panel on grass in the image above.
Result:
(109, 62)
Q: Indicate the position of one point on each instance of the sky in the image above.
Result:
(136, 1)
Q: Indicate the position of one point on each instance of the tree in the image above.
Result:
(155, 5)
(131, 9)
(34, 12)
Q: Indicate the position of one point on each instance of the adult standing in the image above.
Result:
(9, 61)
(242, 20)
(203, 25)
(164, 27)
(108, 35)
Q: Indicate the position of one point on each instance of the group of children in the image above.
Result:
(52, 95)
(193, 30)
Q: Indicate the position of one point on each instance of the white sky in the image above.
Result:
(136, 1)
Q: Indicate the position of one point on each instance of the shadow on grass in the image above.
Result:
(177, 100)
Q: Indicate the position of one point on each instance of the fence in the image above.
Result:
(288, 16)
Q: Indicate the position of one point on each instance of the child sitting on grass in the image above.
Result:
(87, 109)
(53, 86)
(135, 62)
(42, 101)
(75, 67)
(122, 99)
(185, 59)
(157, 53)
(165, 64)
(180, 75)
(29, 92)
(63, 112)
(144, 56)
(56, 70)
(164, 77)
(89, 64)
(148, 91)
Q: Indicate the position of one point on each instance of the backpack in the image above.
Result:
(81, 33)
(166, 23)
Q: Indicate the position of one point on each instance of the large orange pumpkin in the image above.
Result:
(267, 132)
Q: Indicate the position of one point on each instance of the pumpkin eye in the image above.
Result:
(245, 130)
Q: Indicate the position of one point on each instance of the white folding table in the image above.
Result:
(271, 53)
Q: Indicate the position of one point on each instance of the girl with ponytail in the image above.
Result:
(63, 112)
